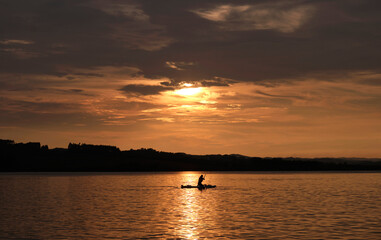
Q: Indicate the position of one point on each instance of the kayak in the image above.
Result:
(199, 187)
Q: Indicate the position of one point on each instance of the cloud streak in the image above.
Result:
(134, 30)
(284, 17)
(179, 65)
(16, 42)
(140, 89)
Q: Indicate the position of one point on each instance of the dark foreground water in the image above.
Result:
(152, 205)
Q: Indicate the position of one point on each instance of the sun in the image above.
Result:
(188, 91)
(187, 84)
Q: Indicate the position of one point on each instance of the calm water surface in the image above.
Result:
(152, 205)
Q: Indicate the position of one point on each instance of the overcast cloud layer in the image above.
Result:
(264, 78)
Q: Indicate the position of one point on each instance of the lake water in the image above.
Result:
(152, 205)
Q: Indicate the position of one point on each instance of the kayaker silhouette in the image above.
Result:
(200, 179)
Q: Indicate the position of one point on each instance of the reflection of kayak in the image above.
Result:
(199, 187)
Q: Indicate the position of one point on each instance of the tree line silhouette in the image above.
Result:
(33, 156)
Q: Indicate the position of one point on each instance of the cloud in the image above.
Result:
(284, 17)
(147, 34)
(103, 29)
(124, 9)
(20, 53)
(134, 28)
(212, 82)
(222, 12)
(367, 77)
(217, 81)
(179, 65)
(14, 47)
(16, 42)
(149, 38)
(43, 107)
(139, 89)
(279, 96)
(110, 72)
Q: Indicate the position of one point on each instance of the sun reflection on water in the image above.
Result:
(190, 217)
(190, 222)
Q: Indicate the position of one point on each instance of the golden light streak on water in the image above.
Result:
(191, 222)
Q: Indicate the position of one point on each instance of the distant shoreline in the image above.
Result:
(32, 157)
(60, 173)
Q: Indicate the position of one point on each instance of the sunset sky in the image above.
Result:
(259, 78)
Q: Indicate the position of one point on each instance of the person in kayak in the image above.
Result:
(200, 179)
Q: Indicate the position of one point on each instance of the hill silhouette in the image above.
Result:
(32, 156)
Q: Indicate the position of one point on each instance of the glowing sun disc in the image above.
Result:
(187, 84)
(188, 91)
